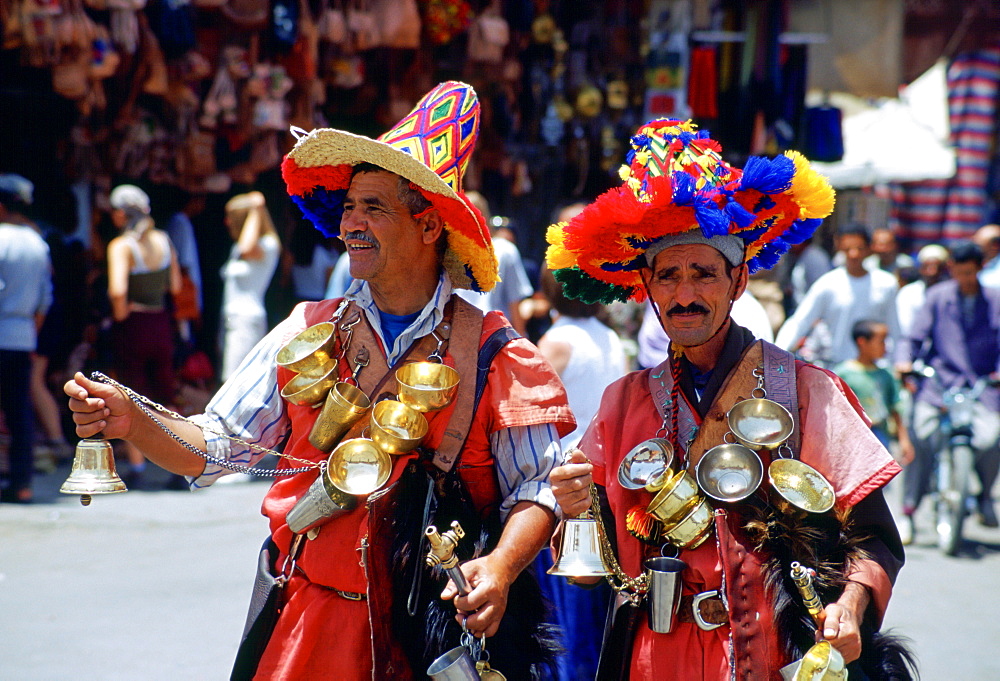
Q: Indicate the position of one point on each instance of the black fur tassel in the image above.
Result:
(525, 645)
(828, 543)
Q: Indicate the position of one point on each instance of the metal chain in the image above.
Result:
(637, 586)
(142, 402)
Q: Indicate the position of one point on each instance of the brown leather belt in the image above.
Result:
(705, 609)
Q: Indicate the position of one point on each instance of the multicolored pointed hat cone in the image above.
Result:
(431, 148)
(677, 189)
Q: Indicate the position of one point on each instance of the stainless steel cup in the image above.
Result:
(664, 591)
(321, 502)
(455, 665)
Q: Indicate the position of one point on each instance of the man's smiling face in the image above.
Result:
(380, 233)
(693, 289)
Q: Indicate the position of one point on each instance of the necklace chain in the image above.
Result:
(636, 586)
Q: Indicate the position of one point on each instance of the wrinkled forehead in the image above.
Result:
(699, 256)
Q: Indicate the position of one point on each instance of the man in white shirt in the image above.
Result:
(412, 238)
(931, 261)
(841, 297)
(25, 296)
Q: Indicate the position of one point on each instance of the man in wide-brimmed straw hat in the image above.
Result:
(358, 601)
(686, 230)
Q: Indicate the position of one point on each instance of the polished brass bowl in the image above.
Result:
(646, 462)
(675, 499)
(760, 423)
(426, 386)
(729, 472)
(305, 390)
(694, 528)
(801, 486)
(310, 352)
(397, 428)
(358, 466)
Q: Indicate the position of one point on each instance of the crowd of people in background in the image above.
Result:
(867, 311)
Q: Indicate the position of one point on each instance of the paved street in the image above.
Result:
(153, 586)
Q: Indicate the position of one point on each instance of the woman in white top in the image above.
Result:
(142, 274)
(246, 276)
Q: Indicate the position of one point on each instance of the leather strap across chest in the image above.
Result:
(460, 331)
(779, 384)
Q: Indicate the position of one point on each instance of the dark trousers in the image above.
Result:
(15, 402)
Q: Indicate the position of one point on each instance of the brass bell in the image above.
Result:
(93, 471)
(580, 551)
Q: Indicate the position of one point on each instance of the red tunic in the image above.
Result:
(321, 634)
(628, 415)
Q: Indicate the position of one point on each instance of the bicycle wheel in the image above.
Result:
(953, 491)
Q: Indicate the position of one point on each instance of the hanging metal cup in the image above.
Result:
(308, 389)
(356, 467)
(310, 352)
(800, 487)
(427, 386)
(344, 406)
(760, 423)
(664, 595)
(454, 665)
(729, 472)
(694, 528)
(675, 499)
(397, 428)
(645, 463)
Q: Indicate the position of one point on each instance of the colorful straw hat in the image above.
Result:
(677, 189)
(430, 147)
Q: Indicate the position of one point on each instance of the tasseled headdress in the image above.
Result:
(675, 182)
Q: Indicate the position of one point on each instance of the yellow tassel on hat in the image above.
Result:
(810, 190)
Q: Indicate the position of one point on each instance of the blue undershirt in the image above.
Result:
(393, 325)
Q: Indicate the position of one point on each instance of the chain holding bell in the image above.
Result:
(93, 471)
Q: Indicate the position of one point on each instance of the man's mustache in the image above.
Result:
(360, 236)
(693, 308)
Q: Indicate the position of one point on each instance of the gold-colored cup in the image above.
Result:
(675, 499)
(305, 390)
(729, 472)
(427, 386)
(397, 428)
(358, 466)
(694, 528)
(760, 423)
(344, 406)
(800, 486)
(310, 352)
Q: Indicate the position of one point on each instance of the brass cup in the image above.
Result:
(822, 662)
(426, 386)
(800, 486)
(358, 466)
(397, 428)
(694, 528)
(305, 390)
(344, 406)
(675, 499)
(645, 463)
(310, 351)
(729, 472)
(760, 423)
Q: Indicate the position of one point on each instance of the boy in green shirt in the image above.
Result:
(876, 388)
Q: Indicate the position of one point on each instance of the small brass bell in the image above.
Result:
(93, 471)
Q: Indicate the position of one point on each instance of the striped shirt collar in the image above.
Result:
(426, 321)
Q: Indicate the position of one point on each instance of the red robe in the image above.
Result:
(321, 634)
(829, 413)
